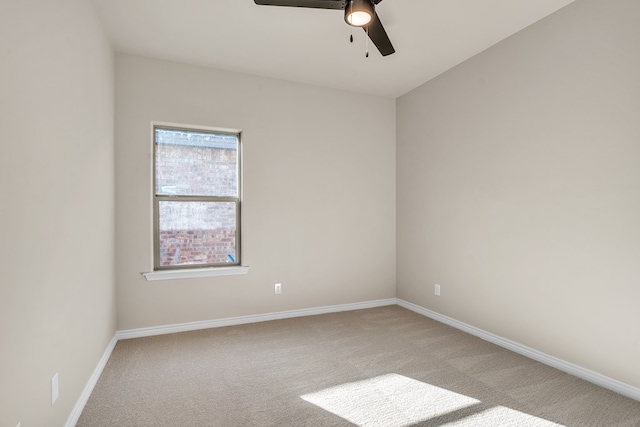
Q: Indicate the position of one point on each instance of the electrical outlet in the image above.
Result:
(278, 289)
(437, 289)
(54, 388)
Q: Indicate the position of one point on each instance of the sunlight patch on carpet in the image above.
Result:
(388, 400)
(394, 400)
(501, 416)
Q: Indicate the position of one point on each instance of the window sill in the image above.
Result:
(195, 272)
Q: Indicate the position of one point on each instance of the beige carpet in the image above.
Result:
(378, 367)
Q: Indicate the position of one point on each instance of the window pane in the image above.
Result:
(197, 233)
(192, 163)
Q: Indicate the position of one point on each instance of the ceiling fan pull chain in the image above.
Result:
(366, 55)
(351, 25)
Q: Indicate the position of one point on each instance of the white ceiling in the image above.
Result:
(312, 45)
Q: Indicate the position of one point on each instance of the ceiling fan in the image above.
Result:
(357, 13)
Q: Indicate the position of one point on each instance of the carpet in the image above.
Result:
(384, 366)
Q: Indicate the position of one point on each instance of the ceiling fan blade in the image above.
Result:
(316, 4)
(379, 37)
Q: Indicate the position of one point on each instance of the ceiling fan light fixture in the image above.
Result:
(359, 12)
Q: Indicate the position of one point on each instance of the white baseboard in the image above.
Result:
(231, 321)
(93, 380)
(575, 370)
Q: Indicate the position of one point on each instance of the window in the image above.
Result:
(196, 198)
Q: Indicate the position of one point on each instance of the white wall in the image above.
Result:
(57, 291)
(519, 189)
(319, 192)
